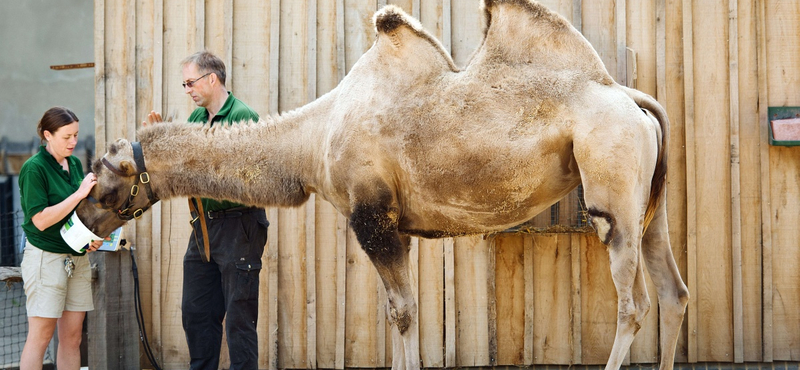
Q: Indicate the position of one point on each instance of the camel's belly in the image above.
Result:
(459, 206)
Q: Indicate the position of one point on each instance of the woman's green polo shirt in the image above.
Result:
(43, 183)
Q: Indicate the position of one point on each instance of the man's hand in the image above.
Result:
(152, 117)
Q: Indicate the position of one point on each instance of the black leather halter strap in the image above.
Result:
(142, 177)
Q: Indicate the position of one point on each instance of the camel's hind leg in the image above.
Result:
(375, 226)
(616, 170)
(672, 292)
(622, 234)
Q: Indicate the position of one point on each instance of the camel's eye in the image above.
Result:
(109, 199)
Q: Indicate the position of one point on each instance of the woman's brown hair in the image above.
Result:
(54, 119)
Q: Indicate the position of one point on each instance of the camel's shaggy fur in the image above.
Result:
(408, 144)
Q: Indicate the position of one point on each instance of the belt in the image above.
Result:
(232, 212)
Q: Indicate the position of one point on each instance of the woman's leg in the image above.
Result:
(70, 328)
(40, 331)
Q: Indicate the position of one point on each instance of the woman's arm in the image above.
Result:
(52, 214)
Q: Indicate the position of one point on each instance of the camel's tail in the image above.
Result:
(657, 187)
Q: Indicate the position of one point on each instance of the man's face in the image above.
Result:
(200, 89)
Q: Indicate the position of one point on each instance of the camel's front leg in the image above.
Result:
(375, 226)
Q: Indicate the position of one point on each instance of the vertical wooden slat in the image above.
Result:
(295, 88)
(450, 348)
(311, 242)
(99, 75)
(599, 26)
(529, 281)
(112, 325)
(553, 293)
(311, 281)
(414, 277)
(341, 290)
(661, 52)
(97, 327)
(691, 212)
(129, 126)
(431, 302)
(642, 23)
(766, 210)
(472, 300)
(447, 23)
(248, 74)
(750, 142)
(156, 220)
(736, 216)
(341, 222)
(227, 31)
(341, 52)
(677, 185)
(465, 29)
(381, 324)
(621, 28)
(599, 304)
(510, 298)
(200, 24)
(714, 305)
(362, 303)
(491, 296)
(575, 299)
(272, 289)
(180, 38)
(272, 243)
(782, 23)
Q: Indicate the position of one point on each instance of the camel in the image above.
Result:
(409, 144)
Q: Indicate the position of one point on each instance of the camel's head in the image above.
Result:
(122, 191)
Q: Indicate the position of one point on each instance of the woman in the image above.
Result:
(57, 279)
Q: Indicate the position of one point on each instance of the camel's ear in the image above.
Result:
(114, 147)
(127, 168)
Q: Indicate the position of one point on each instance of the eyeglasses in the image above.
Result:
(190, 84)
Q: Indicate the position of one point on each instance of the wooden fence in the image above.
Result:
(507, 299)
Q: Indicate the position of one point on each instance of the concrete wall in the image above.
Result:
(35, 34)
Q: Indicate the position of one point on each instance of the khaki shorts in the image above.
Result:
(48, 289)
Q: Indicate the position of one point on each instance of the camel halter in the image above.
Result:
(124, 213)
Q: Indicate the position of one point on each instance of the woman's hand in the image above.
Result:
(86, 185)
(94, 245)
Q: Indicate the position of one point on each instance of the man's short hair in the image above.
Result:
(207, 62)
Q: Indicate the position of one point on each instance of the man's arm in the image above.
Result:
(152, 117)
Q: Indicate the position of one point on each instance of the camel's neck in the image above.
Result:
(270, 163)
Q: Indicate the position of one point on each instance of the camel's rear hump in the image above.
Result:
(542, 39)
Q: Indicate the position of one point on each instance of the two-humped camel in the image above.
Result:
(408, 144)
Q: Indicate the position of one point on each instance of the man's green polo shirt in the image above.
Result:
(43, 183)
(234, 110)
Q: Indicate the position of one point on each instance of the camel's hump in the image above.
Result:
(526, 32)
(532, 8)
(391, 22)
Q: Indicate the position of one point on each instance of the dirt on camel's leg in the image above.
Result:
(376, 230)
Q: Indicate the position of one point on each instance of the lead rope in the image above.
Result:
(139, 314)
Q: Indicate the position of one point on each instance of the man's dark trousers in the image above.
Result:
(228, 283)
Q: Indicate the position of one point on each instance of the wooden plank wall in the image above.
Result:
(507, 299)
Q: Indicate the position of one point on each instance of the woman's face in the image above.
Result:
(62, 143)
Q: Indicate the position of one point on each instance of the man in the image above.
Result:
(236, 234)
